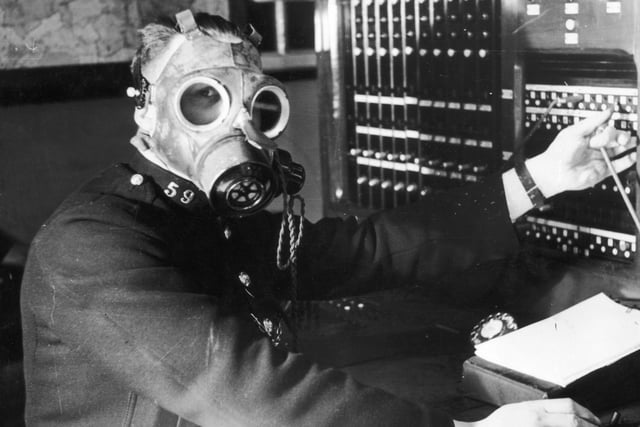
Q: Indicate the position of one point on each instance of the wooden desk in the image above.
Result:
(402, 343)
(431, 382)
(397, 341)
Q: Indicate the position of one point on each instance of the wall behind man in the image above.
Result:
(41, 33)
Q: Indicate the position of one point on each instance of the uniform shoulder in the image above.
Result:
(114, 200)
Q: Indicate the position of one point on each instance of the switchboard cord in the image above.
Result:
(621, 189)
(540, 120)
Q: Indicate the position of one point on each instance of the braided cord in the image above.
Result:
(294, 229)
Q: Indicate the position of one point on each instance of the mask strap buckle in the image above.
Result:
(186, 22)
(139, 95)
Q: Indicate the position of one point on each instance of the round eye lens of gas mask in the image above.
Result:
(203, 102)
(270, 110)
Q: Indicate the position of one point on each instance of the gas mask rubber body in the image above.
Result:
(210, 115)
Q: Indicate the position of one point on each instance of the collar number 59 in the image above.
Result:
(172, 190)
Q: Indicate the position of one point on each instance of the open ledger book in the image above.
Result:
(569, 345)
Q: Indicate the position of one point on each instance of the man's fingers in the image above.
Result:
(586, 415)
(568, 407)
(624, 162)
(590, 124)
(616, 150)
(567, 420)
(627, 145)
(602, 137)
(624, 139)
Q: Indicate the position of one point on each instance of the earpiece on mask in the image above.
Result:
(293, 173)
(146, 115)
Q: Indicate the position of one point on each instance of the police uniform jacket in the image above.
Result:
(132, 312)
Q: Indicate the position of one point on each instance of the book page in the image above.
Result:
(564, 347)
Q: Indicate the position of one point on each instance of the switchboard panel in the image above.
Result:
(595, 222)
(421, 92)
(425, 95)
(573, 58)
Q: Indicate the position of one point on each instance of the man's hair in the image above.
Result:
(154, 37)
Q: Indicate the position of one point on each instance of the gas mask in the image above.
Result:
(209, 115)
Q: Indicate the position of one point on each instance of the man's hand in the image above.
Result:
(573, 160)
(538, 413)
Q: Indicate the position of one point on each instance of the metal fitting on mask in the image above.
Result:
(294, 174)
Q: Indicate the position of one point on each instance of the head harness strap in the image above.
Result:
(186, 21)
(186, 25)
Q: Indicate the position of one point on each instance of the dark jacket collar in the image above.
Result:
(174, 188)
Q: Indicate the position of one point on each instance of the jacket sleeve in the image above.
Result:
(445, 233)
(103, 290)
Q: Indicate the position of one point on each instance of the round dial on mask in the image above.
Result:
(243, 189)
(203, 103)
(245, 194)
(270, 110)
